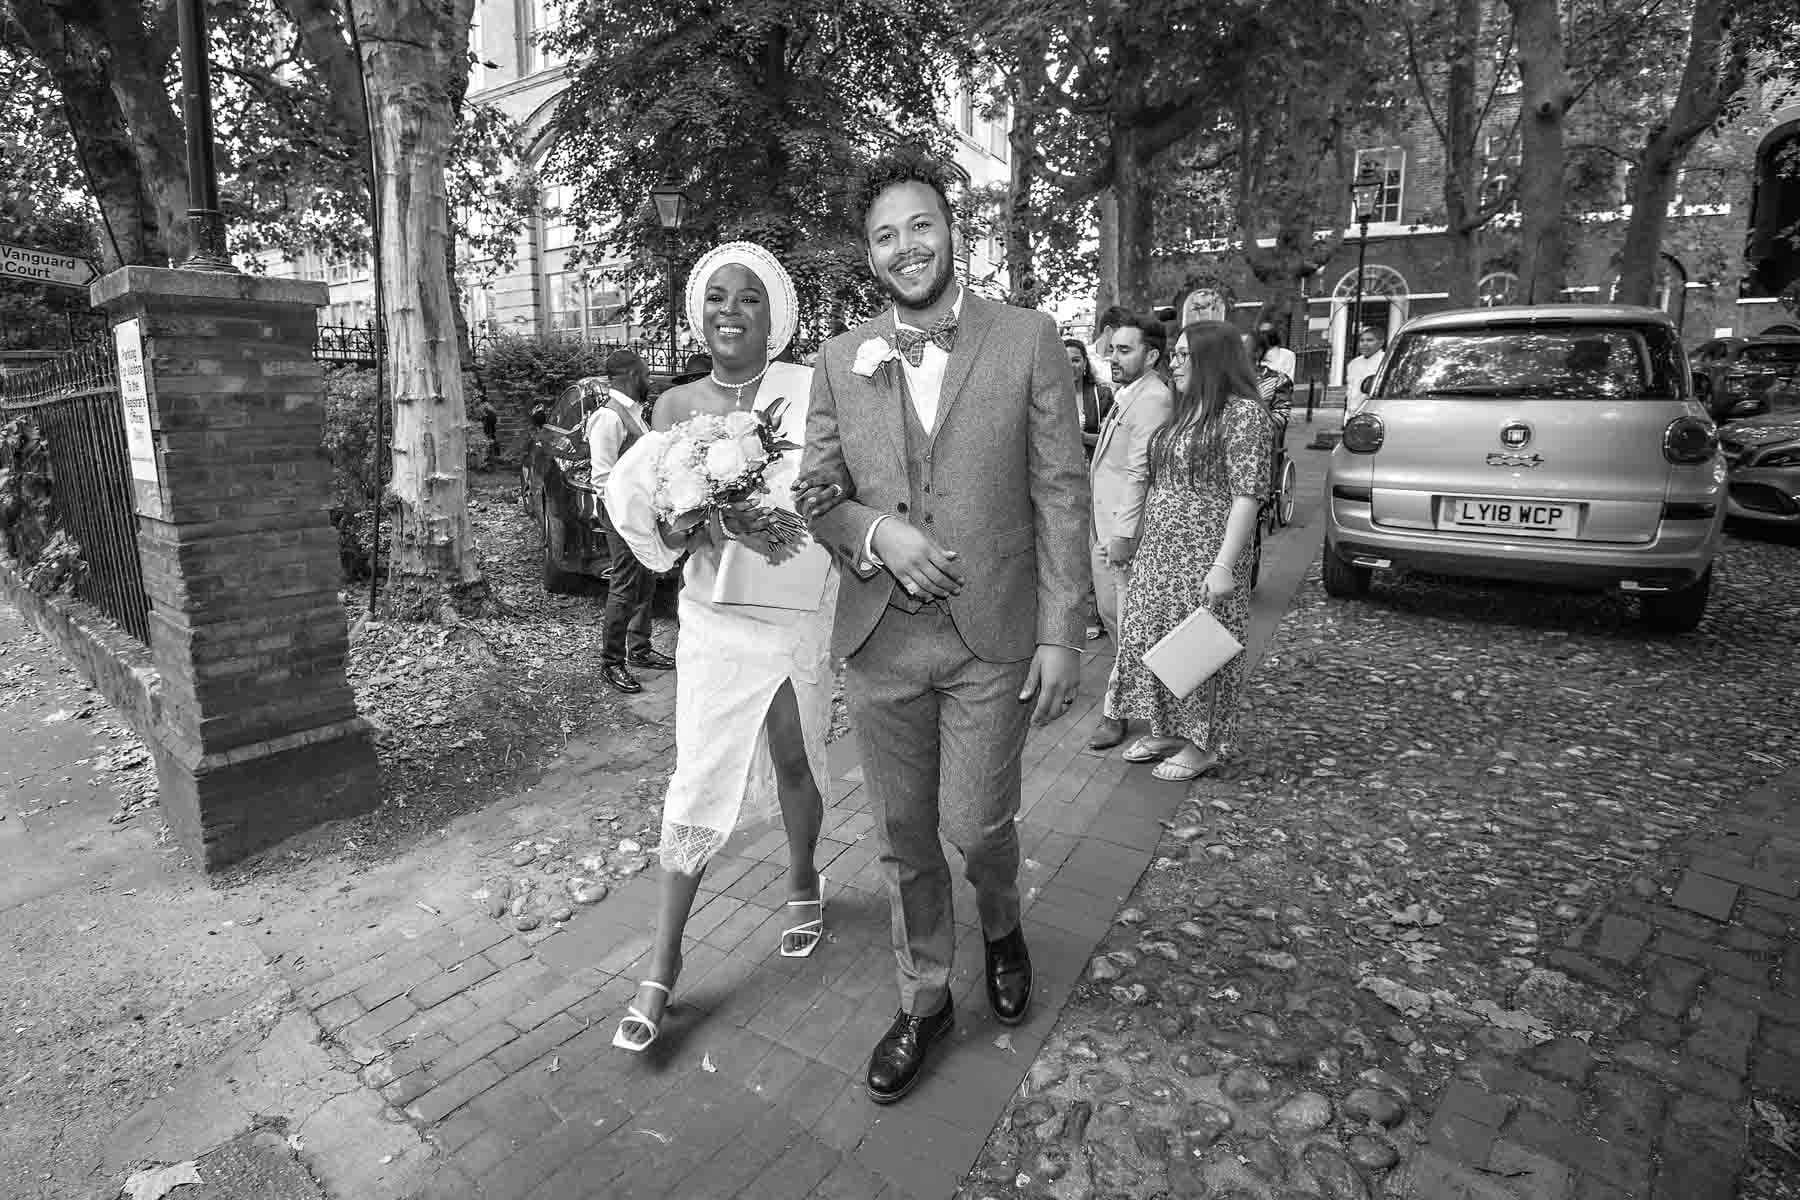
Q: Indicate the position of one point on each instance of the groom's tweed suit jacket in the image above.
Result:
(1001, 480)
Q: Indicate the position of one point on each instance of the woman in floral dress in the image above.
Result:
(1208, 469)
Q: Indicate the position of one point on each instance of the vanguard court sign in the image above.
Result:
(40, 266)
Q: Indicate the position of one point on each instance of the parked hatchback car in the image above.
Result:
(557, 488)
(1559, 444)
(1747, 376)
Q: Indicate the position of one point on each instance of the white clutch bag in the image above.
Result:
(1191, 653)
(797, 582)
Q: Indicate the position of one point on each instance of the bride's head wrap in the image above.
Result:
(778, 287)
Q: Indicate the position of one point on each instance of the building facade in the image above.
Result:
(1729, 254)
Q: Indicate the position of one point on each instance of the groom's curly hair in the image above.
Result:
(901, 164)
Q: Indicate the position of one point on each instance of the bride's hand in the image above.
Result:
(744, 519)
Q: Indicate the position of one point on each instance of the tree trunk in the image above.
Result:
(1544, 104)
(1704, 90)
(1023, 287)
(1106, 289)
(82, 68)
(1462, 199)
(407, 48)
(1136, 230)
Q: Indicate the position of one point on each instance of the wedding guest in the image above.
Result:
(1119, 479)
(753, 690)
(1370, 350)
(611, 430)
(1093, 399)
(1274, 385)
(1101, 345)
(1274, 355)
(1208, 467)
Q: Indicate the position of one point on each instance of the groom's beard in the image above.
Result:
(940, 283)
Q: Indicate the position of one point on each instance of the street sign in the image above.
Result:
(39, 266)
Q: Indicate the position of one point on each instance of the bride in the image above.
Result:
(753, 684)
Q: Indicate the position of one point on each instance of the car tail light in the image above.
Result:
(1690, 440)
(1363, 433)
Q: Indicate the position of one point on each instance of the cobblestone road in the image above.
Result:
(1491, 909)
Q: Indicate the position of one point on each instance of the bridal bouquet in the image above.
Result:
(708, 462)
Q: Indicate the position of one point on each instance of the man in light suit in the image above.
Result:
(1120, 475)
(951, 420)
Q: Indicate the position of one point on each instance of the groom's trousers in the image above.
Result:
(941, 733)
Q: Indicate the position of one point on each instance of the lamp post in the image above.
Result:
(206, 224)
(1365, 194)
(672, 205)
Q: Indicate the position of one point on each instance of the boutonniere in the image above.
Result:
(873, 355)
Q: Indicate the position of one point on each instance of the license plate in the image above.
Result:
(1514, 515)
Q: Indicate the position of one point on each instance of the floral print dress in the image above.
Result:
(1184, 529)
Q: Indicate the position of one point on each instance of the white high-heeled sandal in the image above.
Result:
(812, 931)
(633, 1013)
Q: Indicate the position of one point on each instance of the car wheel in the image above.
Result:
(1344, 580)
(525, 492)
(1285, 497)
(556, 580)
(1678, 612)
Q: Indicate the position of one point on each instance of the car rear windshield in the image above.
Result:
(1772, 354)
(1576, 362)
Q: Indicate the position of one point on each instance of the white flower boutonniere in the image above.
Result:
(872, 355)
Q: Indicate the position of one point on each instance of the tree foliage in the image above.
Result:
(764, 111)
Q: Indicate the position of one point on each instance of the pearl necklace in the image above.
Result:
(738, 389)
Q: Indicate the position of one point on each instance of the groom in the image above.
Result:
(953, 421)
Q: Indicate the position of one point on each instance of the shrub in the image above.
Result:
(520, 370)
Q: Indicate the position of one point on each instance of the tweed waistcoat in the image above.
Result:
(918, 477)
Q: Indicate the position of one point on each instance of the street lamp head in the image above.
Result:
(672, 204)
(1365, 191)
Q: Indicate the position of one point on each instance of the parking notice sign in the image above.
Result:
(134, 395)
(41, 266)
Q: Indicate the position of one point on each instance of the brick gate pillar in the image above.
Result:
(255, 731)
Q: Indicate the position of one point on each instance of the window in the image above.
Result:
(1576, 362)
(997, 131)
(478, 308)
(540, 16)
(338, 271)
(360, 268)
(312, 266)
(965, 119)
(588, 306)
(477, 67)
(1390, 166)
(559, 231)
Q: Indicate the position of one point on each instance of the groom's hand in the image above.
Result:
(1055, 674)
(923, 567)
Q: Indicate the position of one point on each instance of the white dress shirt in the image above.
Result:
(925, 384)
(605, 434)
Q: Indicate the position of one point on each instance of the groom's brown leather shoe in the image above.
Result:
(899, 1057)
(1009, 977)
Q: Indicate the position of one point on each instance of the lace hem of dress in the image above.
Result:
(687, 848)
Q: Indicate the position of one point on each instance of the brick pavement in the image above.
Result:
(1708, 965)
(497, 1046)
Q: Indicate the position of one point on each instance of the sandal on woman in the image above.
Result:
(1149, 750)
(804, 938)
(1174, 770)
(635, 1016)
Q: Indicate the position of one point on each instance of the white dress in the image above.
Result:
(730, 659)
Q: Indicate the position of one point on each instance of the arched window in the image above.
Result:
(1497, 288)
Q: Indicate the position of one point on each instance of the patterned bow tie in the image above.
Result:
(911, 342)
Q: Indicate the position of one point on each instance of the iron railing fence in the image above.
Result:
(75, 402)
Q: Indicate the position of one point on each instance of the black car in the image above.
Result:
(1746, 376)
(557, 489)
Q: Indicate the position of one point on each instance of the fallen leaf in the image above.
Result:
(1004, 1041)
(156, 1183)
(706, 1063)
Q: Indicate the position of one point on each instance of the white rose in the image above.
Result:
(872, 355)
(737, 424)
(725, 461)
(751, 447)
(686, 491)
